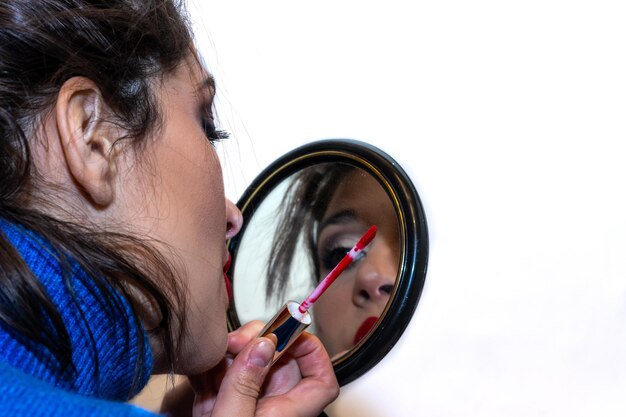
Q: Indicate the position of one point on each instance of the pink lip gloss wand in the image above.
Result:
(293, 318)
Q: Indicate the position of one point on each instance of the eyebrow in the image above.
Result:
(208, 83)
(341, 217)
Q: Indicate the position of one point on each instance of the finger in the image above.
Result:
(312, 357)
(283, 376)
(207, 384)
(242, 382)
(239, 338)
(319, 384)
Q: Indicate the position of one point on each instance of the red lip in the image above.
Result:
(229, 286)
(365, 328)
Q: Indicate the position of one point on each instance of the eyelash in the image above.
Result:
(331, 256)
(212, 134)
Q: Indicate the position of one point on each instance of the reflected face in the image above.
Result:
(352, 305)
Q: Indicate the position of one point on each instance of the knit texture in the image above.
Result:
(31, 381)
(24, 395)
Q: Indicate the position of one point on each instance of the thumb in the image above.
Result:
(242, 382)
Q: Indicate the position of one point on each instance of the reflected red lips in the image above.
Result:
(365, 329)
(229, 286)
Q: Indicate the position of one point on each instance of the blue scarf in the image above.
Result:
(28, 371)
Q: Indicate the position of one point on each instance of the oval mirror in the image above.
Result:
(301, 215)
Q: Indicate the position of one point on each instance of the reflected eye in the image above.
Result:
(329, 258)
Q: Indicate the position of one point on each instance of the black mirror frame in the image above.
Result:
(414, 234)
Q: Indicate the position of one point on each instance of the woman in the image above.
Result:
(332, 205)
(113, 223)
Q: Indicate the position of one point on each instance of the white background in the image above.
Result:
(510, 118)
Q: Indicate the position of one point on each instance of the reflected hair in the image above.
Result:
(304, 204)
(123, 46)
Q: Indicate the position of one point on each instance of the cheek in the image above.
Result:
(195, 226)
(334, 315)
(196, 195)
(334, 308)
(198, 180)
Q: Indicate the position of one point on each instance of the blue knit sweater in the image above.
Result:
(30, 383)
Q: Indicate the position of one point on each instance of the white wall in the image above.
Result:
(510, 117)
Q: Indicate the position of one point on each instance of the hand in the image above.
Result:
(301, 383)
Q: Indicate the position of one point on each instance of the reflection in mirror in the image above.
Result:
(303, 227)
(301, 214)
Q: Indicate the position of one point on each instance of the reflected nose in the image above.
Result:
(376, 276)
(234, 219)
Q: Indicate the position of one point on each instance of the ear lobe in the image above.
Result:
(86, 139)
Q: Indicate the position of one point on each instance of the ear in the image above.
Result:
(86, 139)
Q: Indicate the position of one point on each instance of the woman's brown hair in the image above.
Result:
(304, 204)
(123, 46)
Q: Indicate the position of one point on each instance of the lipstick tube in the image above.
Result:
(286, 326)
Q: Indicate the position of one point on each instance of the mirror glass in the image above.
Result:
(301, 216)
(300, 231)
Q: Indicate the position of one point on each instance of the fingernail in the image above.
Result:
(262, 354)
